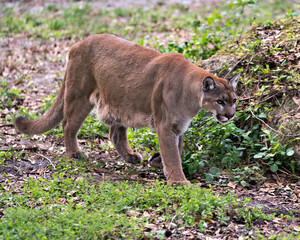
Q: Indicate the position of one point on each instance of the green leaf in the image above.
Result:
(290, 151)
(259, 155)
(202, 164)
(267, 131)
(274, 167)
(262, 115)
(209, 178)
(214, 170)
(243, 183)
(270, 155)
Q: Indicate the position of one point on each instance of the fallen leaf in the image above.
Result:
(280, 220)
(231, 184)
(151, 226)
(255, 90)
(209, 220)
(146, 214)
(187, 232)
(264, 190)
(41, 171)
(269, 185)
(297, 115)
(279, 183)
(294, 227)
(296, 191)
(297, 100)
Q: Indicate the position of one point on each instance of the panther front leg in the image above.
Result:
(156, 161)
(170, 152)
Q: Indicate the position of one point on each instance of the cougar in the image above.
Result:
(134, 86)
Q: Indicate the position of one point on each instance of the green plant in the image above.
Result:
(9, 96)
(57, 24)
(69, 167)
(273, 151)
(251, 214)
(9, 155)
(69, 207)
(229, 146)
(214, 142)
(92, 128)
(144, 140)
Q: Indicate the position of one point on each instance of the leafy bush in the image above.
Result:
(208, 143)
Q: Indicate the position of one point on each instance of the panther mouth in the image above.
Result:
(222, 119)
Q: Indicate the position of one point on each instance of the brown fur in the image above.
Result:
(133, 86)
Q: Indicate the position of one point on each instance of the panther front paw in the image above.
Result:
(156, 161)
(134, 158)
(79, 156)
(179, 183)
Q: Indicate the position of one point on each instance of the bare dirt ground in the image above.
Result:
(42, 64)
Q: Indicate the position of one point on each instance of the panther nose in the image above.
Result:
(229, 116)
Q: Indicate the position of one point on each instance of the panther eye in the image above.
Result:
(221, 102)
(234, 100)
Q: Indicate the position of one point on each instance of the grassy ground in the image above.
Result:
(67, 207)
(45, 196)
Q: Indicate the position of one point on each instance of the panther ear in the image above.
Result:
(208, 84)
(233, 81)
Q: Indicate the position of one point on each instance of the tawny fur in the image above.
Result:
(133, 86)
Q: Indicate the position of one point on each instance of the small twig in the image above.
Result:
(236, 65)
(6, 125)
(285, 135)
(281, 170)
(290, 174)
(266, 99)
(18, 170)
(248, 98)
(18, 149)
(283, 100)
(172, 221)
(47, 159)
(287, 171)
(249, 63)
(278, 178)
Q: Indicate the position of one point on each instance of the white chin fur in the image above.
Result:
(223, 122)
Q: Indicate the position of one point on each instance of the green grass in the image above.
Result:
(68, 208)
(9, 96)
(71, 205)
(207, 24)
(210, 29)
(65, 22)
